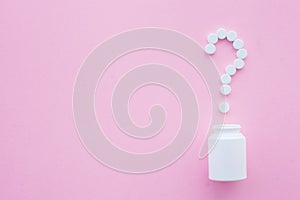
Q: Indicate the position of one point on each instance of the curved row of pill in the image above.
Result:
(230, 70)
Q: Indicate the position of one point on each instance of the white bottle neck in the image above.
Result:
(227, 128)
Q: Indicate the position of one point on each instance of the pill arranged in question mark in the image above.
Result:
(225, 89)
(212, 38)
(241, 53)
(231, 36)
(238, 63)
(210, 48)
(221, 32)
(224, 107)
(238, 44)
(231, 69)
(225, 79)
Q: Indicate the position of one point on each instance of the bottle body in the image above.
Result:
(227, 156)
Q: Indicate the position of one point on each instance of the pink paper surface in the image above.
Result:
(43, 44)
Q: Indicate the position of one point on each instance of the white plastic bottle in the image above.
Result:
(227, 156)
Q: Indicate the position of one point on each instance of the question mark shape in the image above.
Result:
(231, 69)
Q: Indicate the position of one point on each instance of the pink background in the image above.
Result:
(42, 47)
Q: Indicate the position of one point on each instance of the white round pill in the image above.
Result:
(212, 38)
(238, 63)
(210, 49)
(231, 36)
(238, 44)
(242, 53)
(224, 107)
(221, 32)
(230, 69)
(225, 89)
(225, 79)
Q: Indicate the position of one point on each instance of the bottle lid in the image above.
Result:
(232, 128)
